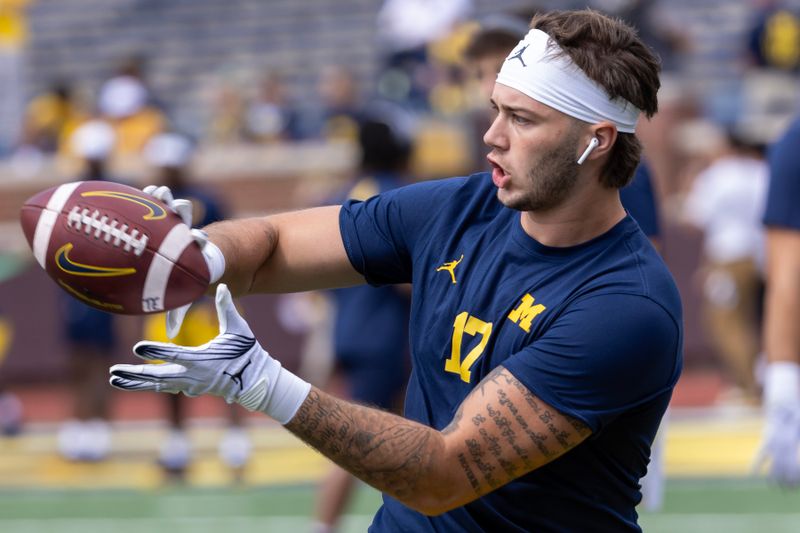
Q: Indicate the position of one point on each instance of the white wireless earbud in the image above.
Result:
(592, 145)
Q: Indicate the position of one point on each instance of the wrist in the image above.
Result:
(215, 261)
(287, 396)
(278, 393)
(782, 383)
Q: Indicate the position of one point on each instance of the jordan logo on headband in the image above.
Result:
(548, 75)
(518, 55)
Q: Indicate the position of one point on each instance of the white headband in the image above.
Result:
(550, 77)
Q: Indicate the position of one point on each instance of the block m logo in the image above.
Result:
(525, 312)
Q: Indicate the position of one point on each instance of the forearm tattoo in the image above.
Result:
(503, 432)
(389, 452)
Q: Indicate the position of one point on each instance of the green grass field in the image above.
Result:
(691, 505)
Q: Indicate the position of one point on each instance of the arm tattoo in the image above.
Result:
(516, 432)
(389, 452)
(499, 432)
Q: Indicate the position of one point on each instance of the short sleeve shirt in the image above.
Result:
(595, 330)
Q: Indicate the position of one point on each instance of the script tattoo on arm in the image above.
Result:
(499, 432)
(506, 431)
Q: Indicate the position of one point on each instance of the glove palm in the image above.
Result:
(233, 365)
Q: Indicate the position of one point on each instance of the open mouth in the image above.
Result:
(500, 177)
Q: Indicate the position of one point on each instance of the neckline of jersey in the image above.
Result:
(561, 253)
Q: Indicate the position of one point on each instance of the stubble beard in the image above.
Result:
(551, 180)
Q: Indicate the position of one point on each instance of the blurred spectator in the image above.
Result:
(11, 264)
(272, 116)
(226, 118)
(484, 54)
(170, 155)
(13, 38)
(405, 28)
(489, 46)
(10, 406)
(340, 105)
(725, 202)
(89, 334)
(768, 93)
(49, 121)
(774, 40)
(373, 368)
(50, 118)
(126, 102)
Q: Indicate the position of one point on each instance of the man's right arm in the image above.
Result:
(287, 252)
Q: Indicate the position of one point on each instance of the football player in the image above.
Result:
(546, 331)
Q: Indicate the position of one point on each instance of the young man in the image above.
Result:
(781, 440)
(545, 329)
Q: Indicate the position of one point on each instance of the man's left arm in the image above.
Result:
(500, 432)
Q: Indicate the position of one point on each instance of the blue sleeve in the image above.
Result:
(639, 200)
(783, 198)
(603, 356)
(381, 234)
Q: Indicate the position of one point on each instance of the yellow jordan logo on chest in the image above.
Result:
(450, 267)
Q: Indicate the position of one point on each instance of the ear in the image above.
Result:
(606, 134)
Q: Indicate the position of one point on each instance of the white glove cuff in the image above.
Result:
(278, 394)
(287, 396)
(782, 384)
(215, 261)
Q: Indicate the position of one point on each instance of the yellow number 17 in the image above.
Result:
(471, 326)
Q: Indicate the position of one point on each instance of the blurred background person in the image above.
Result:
(370, 333)
(405, 28)
(170, 156)
(774, 37)
(725, 203)
(780, 445)
(340, 105)
(225, 111)
(272, 115)
(13, 39)
(89, 334)
(51, 117)
(10, 406)
(126, 101)
(484, 54)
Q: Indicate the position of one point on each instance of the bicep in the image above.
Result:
(502, 431)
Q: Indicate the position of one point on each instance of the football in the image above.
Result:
(114, 247)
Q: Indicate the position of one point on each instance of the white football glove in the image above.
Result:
(780, 446)
(212, 254)
(233, 365)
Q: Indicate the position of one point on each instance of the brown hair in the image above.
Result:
(610, 53)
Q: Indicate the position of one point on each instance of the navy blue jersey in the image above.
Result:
(783, 198)
(595, 330)
(639, 201)
(370, 333)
